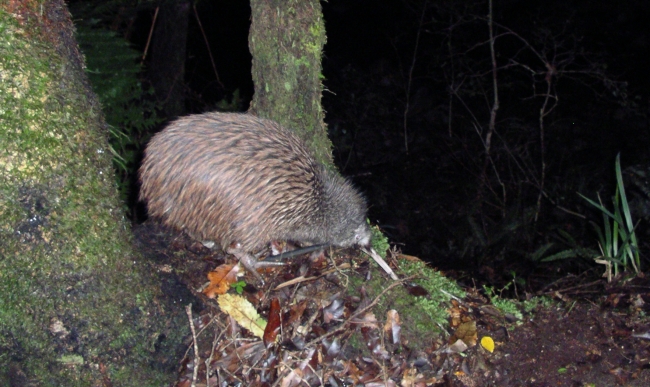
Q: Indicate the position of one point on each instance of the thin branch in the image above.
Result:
(153, 24)
(542, 114)
(493, 112)
(207, 45)
(188, 310)
(410, 80)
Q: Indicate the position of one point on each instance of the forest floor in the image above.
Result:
(573, 340)
(578, 343)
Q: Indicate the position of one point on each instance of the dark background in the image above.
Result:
(408, 100)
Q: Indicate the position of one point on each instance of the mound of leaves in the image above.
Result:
(335, 320)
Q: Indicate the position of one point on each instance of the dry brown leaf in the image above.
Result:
(367, 321)
(393, 326)
(466, 332)
(275, 323)
(458, 347)
(296, 312)
(351, 370)
(411, 258)
(456, 313)
(333, 311)
(389, 383)
(293, 379)
(310, 363)
(220, 279)
(233, 360)
(332, 349)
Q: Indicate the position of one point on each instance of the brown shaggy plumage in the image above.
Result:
(236, 179)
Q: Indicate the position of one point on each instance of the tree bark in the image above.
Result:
(286, 40)
(76, 306)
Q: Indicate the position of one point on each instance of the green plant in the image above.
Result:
(506, 306)
(239, 286)
(534, 302)
(113, 69)
(617, 239)
(574, 250)
(233, 104)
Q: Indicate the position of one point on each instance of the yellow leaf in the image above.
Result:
(243, 312)
(487, 343)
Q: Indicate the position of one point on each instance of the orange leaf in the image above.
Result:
(220, 279)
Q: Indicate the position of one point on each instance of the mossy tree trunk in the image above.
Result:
(76, 307)
(286, 40)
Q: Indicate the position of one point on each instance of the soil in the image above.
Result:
(603, 340)
(575, 344)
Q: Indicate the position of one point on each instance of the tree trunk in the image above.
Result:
(76, 307)
(286, 40)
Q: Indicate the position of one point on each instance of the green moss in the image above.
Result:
(378, 240)
(431, 309)
(421, 315)
(65, 254)
(515, 307)
(533, 303)
(298, 54)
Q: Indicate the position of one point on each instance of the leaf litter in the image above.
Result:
(320, 331)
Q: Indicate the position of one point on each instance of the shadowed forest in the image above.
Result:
(472, 131)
